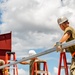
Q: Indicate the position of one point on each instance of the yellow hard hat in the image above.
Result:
(61, 20)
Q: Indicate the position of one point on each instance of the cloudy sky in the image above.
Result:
(34, 26)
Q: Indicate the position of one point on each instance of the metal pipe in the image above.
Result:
(65, 45)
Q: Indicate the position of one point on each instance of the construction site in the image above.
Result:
(37, 37)
(6, 54)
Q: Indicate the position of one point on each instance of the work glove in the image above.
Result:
(58, 46)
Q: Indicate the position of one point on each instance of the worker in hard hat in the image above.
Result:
(31, 52)
(2, 62)
(69, 34)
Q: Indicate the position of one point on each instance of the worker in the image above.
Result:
(2, 62)
(69, 34)
(31, 52)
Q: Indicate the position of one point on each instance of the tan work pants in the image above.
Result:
(72, 67)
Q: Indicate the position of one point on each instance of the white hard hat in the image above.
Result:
(61, 20)
(32, 52)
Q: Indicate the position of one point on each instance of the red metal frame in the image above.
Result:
(63, 57)
(5, 44)
(15, 71)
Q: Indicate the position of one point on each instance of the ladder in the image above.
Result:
(65, 67)
(7, 61)
(35, 70)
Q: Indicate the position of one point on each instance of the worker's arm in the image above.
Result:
(65, 37)
(24, 63)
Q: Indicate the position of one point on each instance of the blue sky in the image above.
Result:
(34, 26)
(0, 18)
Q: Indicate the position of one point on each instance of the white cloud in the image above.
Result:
(33, 22)
(22, 72)
(20, 15)
(49, 73)
(55, 70)
(30, 22)
(62, 72)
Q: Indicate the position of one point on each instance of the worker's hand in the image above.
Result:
(54, 45)
(23, 57)
(58, 46)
